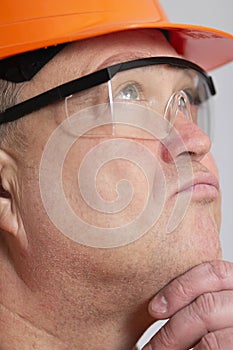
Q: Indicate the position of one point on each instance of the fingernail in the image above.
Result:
(159, 304)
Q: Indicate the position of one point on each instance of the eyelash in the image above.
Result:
(194, 98)
(137, 87)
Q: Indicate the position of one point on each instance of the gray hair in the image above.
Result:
(11, 134)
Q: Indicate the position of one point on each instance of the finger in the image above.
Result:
(218, 340)
(208, 313)
(204, 278)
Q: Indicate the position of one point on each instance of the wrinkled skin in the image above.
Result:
(199, 305)
(60, 294)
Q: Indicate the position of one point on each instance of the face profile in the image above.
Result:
(110, 202)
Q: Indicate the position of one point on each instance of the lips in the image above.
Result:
(203, 186)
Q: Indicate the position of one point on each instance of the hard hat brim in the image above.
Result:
(210, 48)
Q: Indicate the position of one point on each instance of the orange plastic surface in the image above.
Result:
(28, 25)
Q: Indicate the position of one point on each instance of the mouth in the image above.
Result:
(202, 186)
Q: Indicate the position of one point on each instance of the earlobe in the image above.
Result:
(10, 218)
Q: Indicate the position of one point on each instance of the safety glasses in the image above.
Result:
(162, 85)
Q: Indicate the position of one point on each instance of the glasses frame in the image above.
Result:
(91, 80)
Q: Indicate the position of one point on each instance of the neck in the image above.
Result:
(19, 332)
(48, 321)
(53, 310)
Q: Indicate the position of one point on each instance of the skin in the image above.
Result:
(61, 294)
(205, 307)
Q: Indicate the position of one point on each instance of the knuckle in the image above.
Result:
(167, 338)
(204, 306)
(209, 342)
(181, 290)
(221, 269)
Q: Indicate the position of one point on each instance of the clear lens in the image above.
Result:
(135, 103)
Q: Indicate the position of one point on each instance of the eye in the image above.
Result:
(193, 96)
(129, 92)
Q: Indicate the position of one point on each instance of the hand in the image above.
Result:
(200, 307)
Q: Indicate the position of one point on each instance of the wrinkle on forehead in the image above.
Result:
(85, 56)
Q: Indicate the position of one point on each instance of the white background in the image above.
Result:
(217, 14)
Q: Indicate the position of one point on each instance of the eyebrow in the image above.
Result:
(121, 57)
(94, 79)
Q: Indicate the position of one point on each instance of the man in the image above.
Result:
(82, 257)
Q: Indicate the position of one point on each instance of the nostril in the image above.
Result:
(185, 140)
(187, 153)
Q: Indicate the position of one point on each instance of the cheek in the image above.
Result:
(105, 182)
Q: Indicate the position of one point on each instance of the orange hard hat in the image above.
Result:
(27, 25)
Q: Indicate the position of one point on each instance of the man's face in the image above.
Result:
(140, 268)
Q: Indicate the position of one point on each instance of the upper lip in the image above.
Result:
(200, 178)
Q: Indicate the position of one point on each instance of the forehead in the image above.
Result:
(86, 56)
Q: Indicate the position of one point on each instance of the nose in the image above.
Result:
(185, 137)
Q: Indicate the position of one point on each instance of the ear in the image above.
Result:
(10, 216)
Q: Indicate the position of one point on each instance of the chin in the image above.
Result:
(194, 241)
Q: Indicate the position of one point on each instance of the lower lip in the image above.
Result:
(202, 191)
